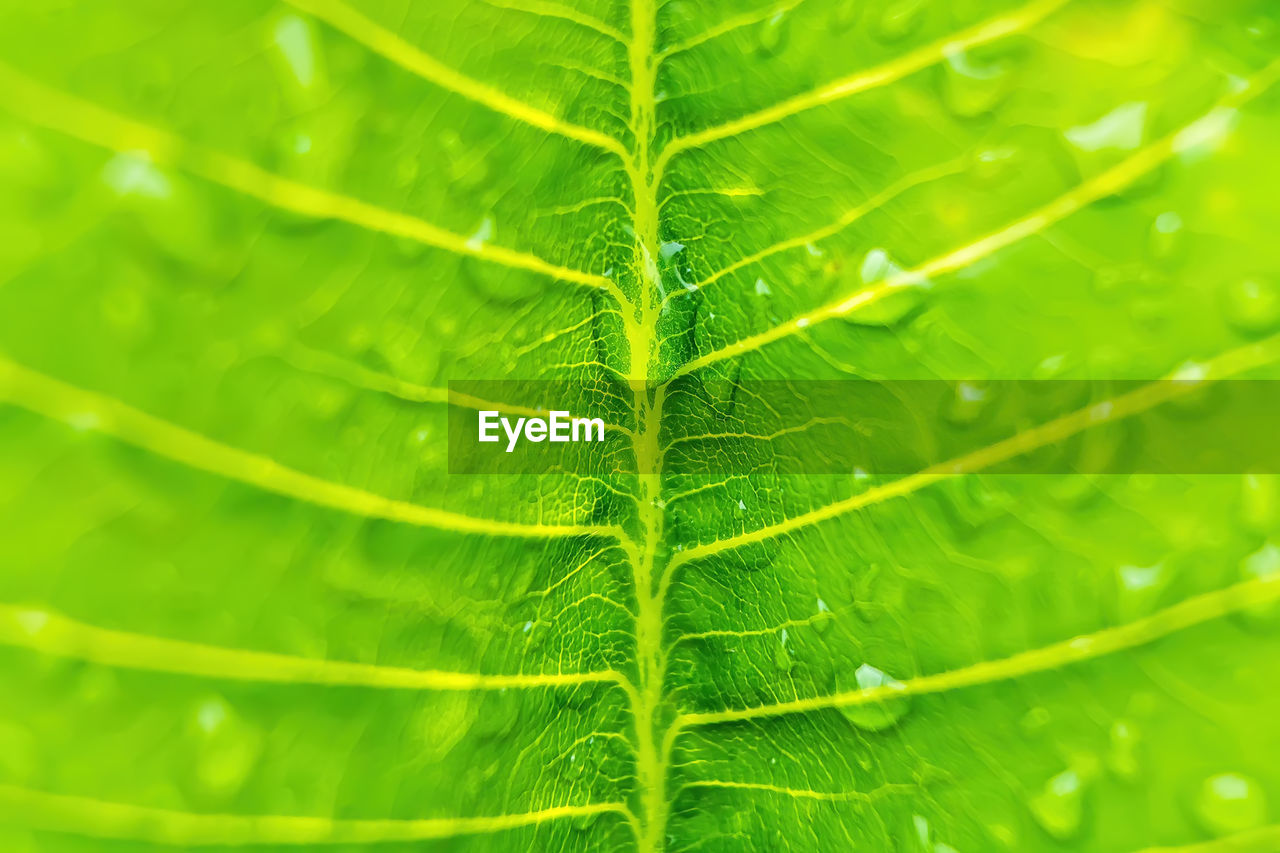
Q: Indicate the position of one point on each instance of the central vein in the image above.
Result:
(641, 333)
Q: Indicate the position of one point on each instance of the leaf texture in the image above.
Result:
(247, 244)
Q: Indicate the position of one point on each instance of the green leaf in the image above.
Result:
(247, 244)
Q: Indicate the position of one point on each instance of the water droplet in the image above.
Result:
(967, 403)
(863, 587)
(1121, 129)
(1252, 304)
(971, 87)
(900, 19)
(1035, 720)
(227, 748)
(32, 622)
(670, 249)
(781, 657)
(1260, 565)
(823, 618)
(133, 174)
(1138, 590)
(772, 34)
(482, 235)
(877, 713)
(900, 292)
(1259, 501)
(1229, 803)
(1165, 239)
(1122, 753)
(1059, 807)
(1051, 367)
(844, 14)
(921, 826)
(296, 39)
(1202, 138)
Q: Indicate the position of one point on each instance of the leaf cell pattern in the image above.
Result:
(247, 243)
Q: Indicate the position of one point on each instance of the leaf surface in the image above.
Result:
(247, 245)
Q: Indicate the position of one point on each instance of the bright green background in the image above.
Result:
(170, 321)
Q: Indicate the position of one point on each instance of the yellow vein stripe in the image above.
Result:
(804, 793)
(59, 401)
(1100, 186)
(90, 123)
(53, 634)
(121, 821)
(849, 217)
(1141, 399)
(322, 363)
(1178, 617)
(1262, 840)
(870, 78)
(390, 46)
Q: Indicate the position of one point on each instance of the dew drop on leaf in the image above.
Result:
(1121, 129)
(1252, 304)
(1059, 806)
(970, 86)
(1034, 720)
(899, 20)
(823, 618)
(1229, 803)
(297, 42)
(1166, 238)
(227, 748)
(899, 294)
(782, 658)
(844, 14)
(1122, 751)
(772, 33)
(1262, 564)
(967, 403)
(1259, 501)
(876, 713)
(1138, 589)
(133, 175)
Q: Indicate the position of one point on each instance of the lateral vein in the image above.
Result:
(90, 123)
(390, 46)
(1100, 186)
(1185, 614)
(123, 821)
(49, 633)
(58, 401)
(1226, 365)
(867, 79)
